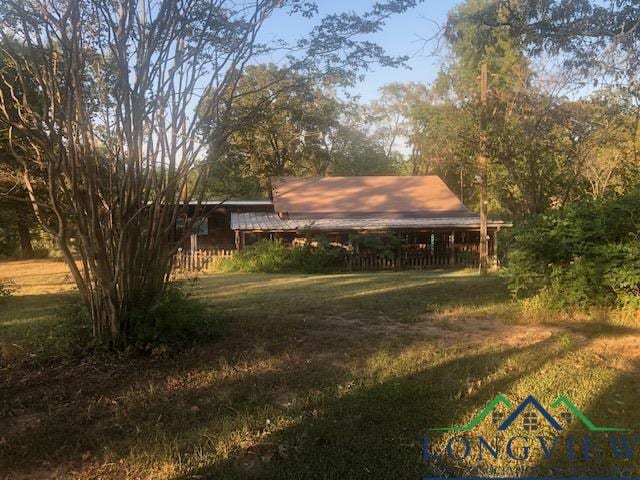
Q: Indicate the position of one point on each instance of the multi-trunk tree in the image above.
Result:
(112, 122)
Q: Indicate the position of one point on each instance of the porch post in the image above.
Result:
(495, 247)
(238, 245)
(452, 248)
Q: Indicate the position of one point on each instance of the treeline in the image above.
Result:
(554, 138)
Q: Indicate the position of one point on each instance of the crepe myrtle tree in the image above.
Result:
(99, 97)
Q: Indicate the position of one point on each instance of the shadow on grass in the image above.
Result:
(375, 431)
(331, 409)
(400, 297)
(615, 407)
(288, 394)
(41, 326)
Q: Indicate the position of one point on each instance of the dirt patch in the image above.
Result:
(477, 331)
(621, 353)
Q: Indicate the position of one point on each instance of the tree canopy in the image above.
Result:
(284, 123)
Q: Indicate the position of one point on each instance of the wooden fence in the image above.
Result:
(197, 260)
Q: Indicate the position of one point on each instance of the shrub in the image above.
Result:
(384, 244)
(585, 254)
(623, 273)
(274, 257)
(176, 317)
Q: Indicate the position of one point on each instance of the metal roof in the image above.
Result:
(328, 197)
(267, 221)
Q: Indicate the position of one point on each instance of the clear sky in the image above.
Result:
(402, 35)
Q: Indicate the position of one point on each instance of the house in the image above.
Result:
(212, 231)
(421, 209)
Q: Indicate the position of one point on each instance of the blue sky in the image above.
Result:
(402, 35)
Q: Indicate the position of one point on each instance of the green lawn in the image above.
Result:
(325, 376)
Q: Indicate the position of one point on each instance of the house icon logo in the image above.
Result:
(530, 412)
(511, 453)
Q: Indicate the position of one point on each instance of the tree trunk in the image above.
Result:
(26, 248)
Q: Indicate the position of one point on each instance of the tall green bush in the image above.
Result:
(176, 317)
(274, 257)
(585, 254)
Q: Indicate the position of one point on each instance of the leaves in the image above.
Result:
(585, 254)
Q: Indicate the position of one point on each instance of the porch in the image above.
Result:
(417, 242)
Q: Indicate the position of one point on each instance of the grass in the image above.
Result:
(311, 376)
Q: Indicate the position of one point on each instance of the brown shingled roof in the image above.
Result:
(340, 197)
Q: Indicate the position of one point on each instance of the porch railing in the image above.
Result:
(411, 262)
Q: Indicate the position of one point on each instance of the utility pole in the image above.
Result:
(483, 168)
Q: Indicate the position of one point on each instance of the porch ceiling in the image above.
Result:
(267, 221)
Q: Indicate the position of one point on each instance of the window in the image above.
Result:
(530, 421)
(180, 223)
(201, 227)
(497, 417)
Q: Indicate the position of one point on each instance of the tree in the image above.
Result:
(17, 221)
(608, 143)
(354, 150)
(394, 113)
(285, 123)
(593, 35)
(114, 129)
(533, 138)
(277, 124)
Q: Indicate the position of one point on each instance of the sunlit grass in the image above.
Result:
(326, 376)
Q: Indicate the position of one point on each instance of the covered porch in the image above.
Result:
(417, 242)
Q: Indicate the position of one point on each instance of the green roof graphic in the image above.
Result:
(500, 399)
(562, 400)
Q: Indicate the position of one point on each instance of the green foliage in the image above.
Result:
(285, 124)
(624, 279)
(274, 257)
(587, 34)
(175, 317)
(377, 244)
(585, 254)
(9, 243)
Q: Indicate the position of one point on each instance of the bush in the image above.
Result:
(384, 244)
(585, 254)
(274, 257)
(176, 317)
(623, 275)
